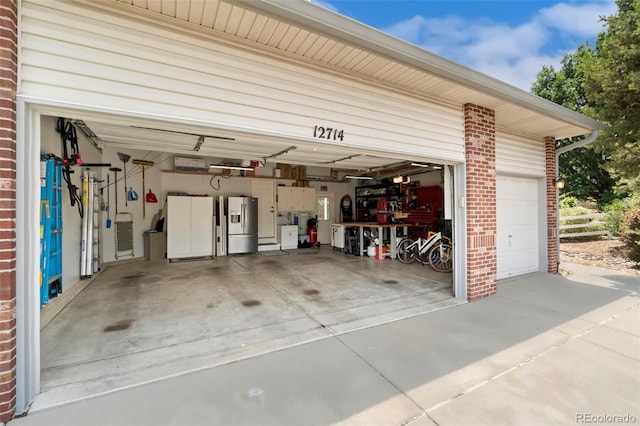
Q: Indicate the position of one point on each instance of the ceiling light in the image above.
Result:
(359, 177)
(403, 180)
(214, 166)
(421, 165)
(437, 167)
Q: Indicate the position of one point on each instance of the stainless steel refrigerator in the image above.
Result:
(242, 225)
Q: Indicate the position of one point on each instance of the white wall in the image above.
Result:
(152, 178)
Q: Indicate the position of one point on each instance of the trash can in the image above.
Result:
(154, 245)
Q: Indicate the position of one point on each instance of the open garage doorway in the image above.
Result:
(136, 320)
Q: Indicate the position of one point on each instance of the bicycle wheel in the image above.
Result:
(406, 252)
(441, 257)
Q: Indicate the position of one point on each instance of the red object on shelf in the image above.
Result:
(382, 214)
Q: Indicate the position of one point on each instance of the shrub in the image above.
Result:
(615, 214)
(616, 211)
(630, 232)
(568, 201)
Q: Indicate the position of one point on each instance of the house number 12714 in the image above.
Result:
(329, 133)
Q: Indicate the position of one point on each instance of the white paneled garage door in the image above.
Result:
(518, 217)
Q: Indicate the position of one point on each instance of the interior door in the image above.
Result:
(265, 191)
(324, 204)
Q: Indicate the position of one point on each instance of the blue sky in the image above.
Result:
(508, 40)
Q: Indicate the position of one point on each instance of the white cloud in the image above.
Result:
(521, 72)
(410, 30)
(512, 53)
(579, 19)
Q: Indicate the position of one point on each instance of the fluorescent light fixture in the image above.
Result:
(359, 177)
(437, 167)
(213, 166)
(421, 165)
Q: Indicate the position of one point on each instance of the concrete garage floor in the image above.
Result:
(145, 321)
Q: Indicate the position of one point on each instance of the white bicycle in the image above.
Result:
(436, 250)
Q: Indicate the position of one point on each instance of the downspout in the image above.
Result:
(586, 141)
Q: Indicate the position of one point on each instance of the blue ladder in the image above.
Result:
(50, 228)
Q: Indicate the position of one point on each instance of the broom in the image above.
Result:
(143, 164)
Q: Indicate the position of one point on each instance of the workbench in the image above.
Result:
(373, 225)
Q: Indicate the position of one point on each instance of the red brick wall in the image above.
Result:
(552, 201)
(8, 82)
(480, 153)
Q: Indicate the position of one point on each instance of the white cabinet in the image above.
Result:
(189, 227)
(288, 237)
(337, 236)
(293, 198)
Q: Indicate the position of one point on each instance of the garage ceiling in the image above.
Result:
(232, 146)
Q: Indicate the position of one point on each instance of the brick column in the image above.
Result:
(8, 83)
(552, 205)
(480, 153)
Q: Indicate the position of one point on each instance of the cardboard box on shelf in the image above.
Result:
(299, 173)
(285, 170)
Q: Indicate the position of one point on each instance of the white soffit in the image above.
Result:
(306, 30)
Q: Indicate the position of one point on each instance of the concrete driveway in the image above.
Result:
(546, 350)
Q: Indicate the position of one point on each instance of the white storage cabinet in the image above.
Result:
(189, 227)
(337, 236)
(296, 199)
(288, 237)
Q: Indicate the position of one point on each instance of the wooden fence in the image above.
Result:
(590, 224)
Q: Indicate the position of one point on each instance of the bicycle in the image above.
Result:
(436, 250)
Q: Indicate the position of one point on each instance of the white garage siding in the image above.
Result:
(89, 58)
(519, 155)
(518, 226)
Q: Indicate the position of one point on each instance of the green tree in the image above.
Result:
(584, 168)
(612, 84)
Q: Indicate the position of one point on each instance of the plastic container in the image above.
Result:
(371, 251)
(380, 252)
